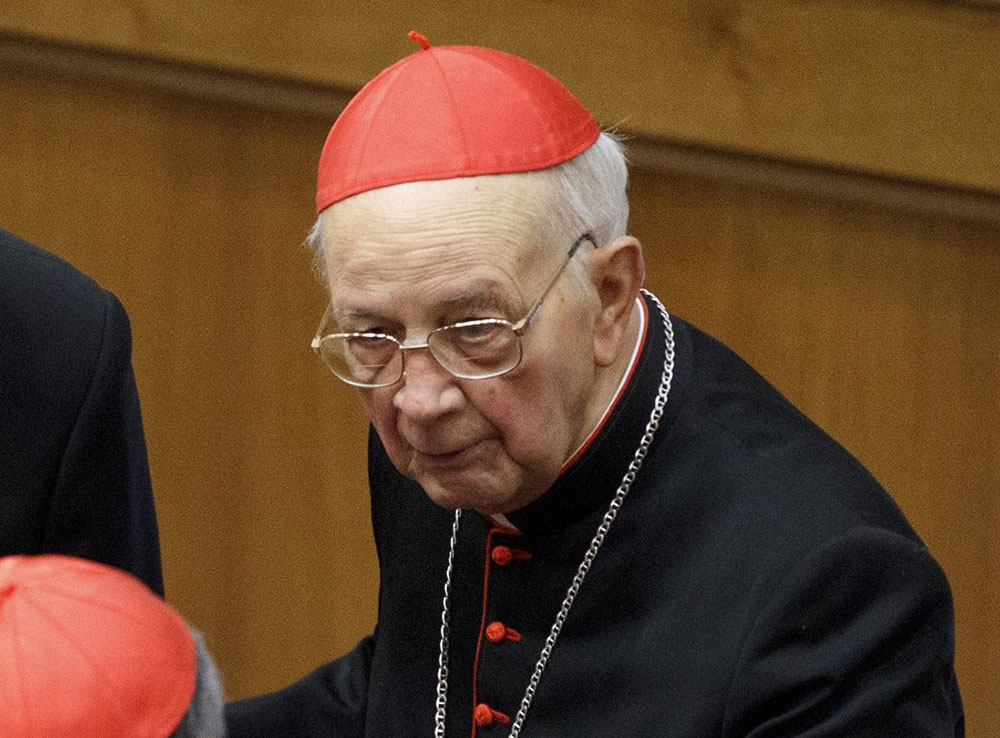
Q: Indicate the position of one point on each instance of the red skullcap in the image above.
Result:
(451, 111)
(88, 651)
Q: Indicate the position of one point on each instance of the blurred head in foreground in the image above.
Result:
(88, 651)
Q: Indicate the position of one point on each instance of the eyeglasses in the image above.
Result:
(472, 349)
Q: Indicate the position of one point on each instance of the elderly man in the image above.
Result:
(654, 541)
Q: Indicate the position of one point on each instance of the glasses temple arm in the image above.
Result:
(526, 320)
(319, 329)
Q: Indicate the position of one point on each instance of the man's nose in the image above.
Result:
(426, 390)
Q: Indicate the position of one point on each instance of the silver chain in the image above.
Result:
(588, 558)
(442, 685)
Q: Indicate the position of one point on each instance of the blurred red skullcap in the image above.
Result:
(451, 111)
(88, 651)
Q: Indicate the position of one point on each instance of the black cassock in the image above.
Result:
(757, 582)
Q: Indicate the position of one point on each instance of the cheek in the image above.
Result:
(527, 413)
(382, 414)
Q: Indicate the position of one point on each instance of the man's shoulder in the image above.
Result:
(38, 284)
(778, 464)
(55, 325)
(728, 394)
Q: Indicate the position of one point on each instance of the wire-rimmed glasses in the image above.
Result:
(471, 349)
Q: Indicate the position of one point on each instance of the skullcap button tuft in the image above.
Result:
(420, 39)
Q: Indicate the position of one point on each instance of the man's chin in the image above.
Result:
(476, 478)
(468, 479)
(486, 498)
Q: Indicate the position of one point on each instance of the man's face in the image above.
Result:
(405, 260)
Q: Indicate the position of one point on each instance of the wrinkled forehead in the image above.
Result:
(427, 251)
(506, 218)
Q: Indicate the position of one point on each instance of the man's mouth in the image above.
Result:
(448, 458)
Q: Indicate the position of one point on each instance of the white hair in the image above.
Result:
(205, 716)
(586, 195)
(588, 191)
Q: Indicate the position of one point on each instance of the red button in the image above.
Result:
(484, 715)
(502, 555)
(496, 631)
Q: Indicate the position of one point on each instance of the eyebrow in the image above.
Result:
(484, 296)
(487, 296)
(342, 316)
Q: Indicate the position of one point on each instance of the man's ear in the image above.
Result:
(617, 271)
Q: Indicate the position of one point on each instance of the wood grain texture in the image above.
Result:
(23, 55)
(882, 325)
(884, 329)
(194, 215)
(904, 87)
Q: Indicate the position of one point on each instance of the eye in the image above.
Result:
(478, 331)
(369, 351)
(375, 329)
(364, 359)
(480, 340)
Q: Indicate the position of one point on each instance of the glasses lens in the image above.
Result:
(476, 349)
(362, 359)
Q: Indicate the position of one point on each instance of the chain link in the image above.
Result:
(441, 703)
(588, 558)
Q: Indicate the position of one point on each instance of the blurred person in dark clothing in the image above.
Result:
(74, 478)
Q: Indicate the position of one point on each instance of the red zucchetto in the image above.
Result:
(89, 651)
(451, 111)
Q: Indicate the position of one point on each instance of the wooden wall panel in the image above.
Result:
(906, 87)
(193, 214)
(884, 327)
